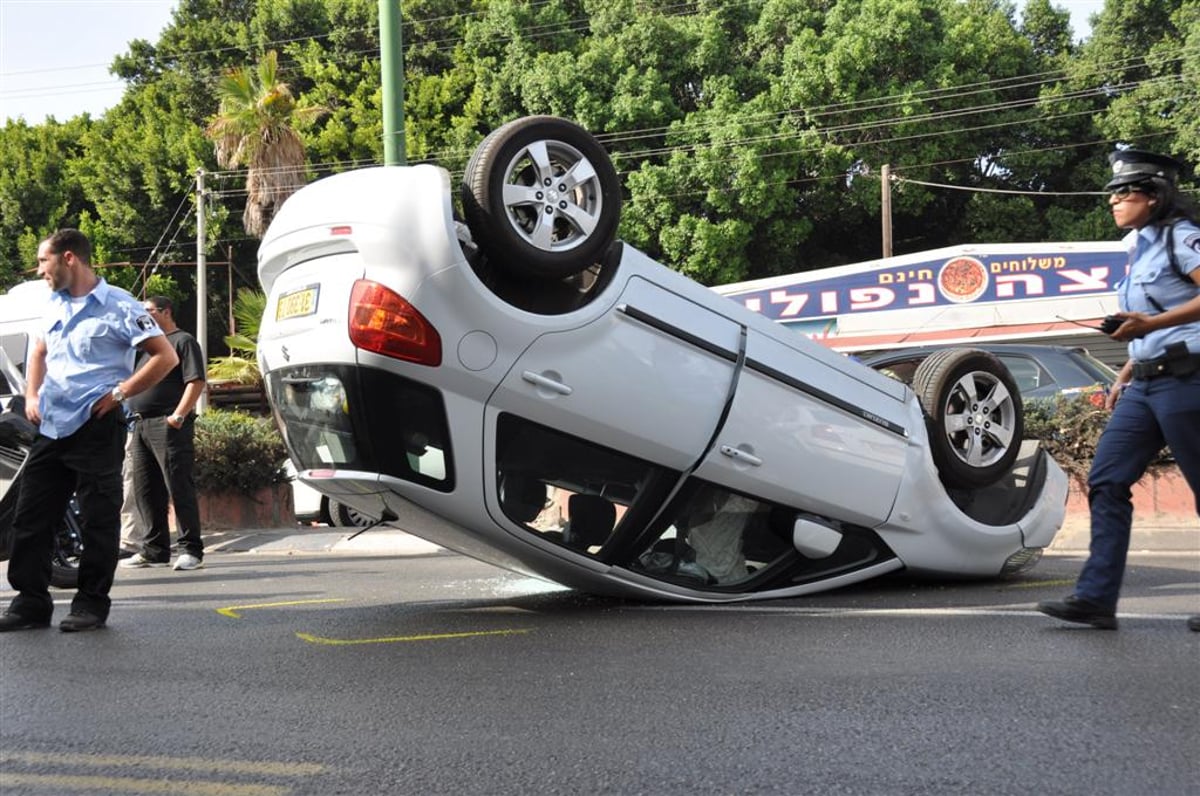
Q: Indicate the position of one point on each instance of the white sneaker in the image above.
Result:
(188, 561)
(139, 561)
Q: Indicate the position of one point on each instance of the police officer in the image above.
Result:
(1156, 399)
(80, 373)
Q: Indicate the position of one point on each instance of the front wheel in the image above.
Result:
(976, 420)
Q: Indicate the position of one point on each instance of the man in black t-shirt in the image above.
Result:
(163, 451)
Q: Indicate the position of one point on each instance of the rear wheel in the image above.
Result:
(976, 420)
(542, 198)
(68, 547)
(342, 516)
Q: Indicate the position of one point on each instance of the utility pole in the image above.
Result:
(229, 286)
(885, 177)
(201, 284)
(391, 62)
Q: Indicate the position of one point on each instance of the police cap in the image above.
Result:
(1133, 165)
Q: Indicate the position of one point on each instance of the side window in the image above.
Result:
(15, 346)
(902, 370)
(567, 490)
(1028, 374)
(12, 371)
(715, 537)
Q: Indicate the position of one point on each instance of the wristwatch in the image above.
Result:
(176, 419)
(118, 394)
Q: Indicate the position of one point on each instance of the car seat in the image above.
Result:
(522, 497)
(592, 518)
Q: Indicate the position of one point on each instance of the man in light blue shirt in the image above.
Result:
(79, 374)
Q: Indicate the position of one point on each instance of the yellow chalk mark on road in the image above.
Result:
(155, 774)
(1039, 583)
(343, 642)
(232, 611)
(55, 783)
(212, 765)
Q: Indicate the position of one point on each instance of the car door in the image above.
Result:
(649, 378)
(805, 433)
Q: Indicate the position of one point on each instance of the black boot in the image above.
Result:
(1077, 609)
(10, 620)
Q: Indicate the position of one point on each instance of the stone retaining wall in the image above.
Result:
(1159, 501)
(270, 507)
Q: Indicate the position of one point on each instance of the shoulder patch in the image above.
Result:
(146, 323)
(1193, 242)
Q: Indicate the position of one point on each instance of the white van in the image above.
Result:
(20, 309)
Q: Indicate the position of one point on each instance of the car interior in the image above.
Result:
(624, 512)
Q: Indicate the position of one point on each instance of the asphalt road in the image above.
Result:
(334, 673)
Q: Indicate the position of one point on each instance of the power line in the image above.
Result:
(809, 115)
(572, 25)
(824, 132)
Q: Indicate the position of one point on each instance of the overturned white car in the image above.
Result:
(526, 389)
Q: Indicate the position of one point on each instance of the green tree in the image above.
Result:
(138, 175)
(796, 109)
(38, 191)
(1145, 54)
(749, 136)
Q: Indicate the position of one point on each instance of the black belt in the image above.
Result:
(1166, 366)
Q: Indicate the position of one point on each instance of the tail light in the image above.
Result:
(382, 321)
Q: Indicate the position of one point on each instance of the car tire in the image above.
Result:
(342, 516)
(526, 218)
(976, 418)
(68, 547)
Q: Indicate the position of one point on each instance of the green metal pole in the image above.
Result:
(391, 46)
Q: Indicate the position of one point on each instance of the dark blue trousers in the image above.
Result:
(87, 463)
(1151, 413)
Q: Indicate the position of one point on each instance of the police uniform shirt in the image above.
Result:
(88, 352)
(1151, 276)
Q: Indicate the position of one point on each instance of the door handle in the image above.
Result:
(538, 380)
(741, 455)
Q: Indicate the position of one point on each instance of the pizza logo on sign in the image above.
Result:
(962, 279)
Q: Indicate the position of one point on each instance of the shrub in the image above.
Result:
(1069, 428)
(237, 452)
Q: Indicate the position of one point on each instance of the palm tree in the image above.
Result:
(241, 366)
(254, 128)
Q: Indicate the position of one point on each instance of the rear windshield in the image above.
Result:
(1102, 373)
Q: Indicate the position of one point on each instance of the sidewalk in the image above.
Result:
(318, 539)
(1074, 536)
(1072, 539)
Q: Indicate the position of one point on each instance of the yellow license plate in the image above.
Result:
(296, 304)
